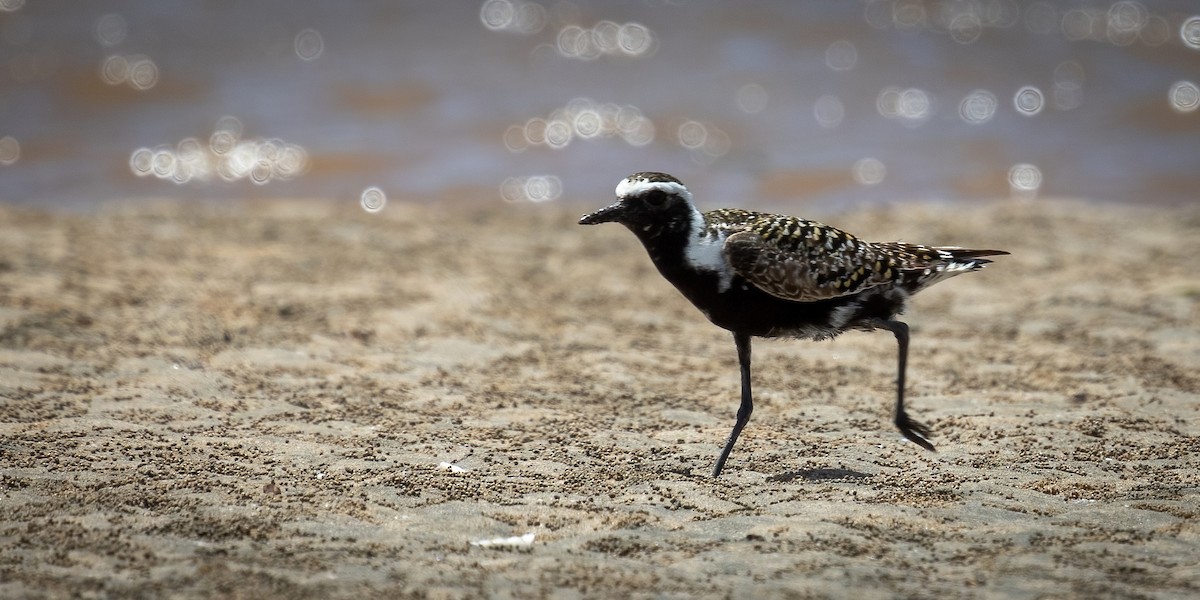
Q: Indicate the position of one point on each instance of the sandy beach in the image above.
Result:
(298, 399)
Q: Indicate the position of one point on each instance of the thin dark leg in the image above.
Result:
(911, 429)
(743, 415)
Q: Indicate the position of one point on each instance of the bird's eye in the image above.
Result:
(656, 198)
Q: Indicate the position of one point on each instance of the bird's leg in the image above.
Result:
(743, 415)
(918, 433)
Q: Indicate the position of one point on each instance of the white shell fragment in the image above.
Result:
(506, 542)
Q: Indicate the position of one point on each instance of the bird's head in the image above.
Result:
(648, 204)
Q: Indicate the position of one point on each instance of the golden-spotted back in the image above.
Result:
(805, 261)
(802, 260)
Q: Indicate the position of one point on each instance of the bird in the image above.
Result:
(776, 276)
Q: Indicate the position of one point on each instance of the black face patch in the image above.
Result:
(655, 198)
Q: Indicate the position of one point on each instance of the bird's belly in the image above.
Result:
(742, 307)
(752, 311)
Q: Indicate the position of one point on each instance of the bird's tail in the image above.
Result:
(923, 266)
(970, 259)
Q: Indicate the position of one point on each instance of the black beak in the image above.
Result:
(608, 214)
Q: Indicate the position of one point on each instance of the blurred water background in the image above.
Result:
(758, 103)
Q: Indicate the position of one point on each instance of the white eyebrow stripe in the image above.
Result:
(633, 187)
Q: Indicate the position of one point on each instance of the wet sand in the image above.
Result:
(297, 399)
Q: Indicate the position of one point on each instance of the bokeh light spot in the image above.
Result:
(752, 98)
(221, 142)
(139, 71)
(543, 188)
(291, 162)
(513, 16)
(114, 70)
(717, 143)
(888, 102)
(1125, 19)
(1025, 180)
(497, 15)
(512, 189)
(914, 105)
(189, 149)
(570, 39)
(238, 163)
(1184, 96)
(635, 39)
(1189, 32)
(514, 138)
(869, 171)
(11, 5)
(978, 107)
(705, 141)
(183, 172)
(229, 123)
(1028, 100)
(269, 150)
(530, 18)
(260, 173)
(309, 45)
(1080, 24)
(829, 111)
(10, 150)
(558, 134)
(581, 118)
(373, 199)
(692, 134)
(605, 38)
(163, 162)
(588, 123)
(638, 132)
(841, 55)
(878, 13)
(143, 73)
(966, 28)
(225, 154)
(111, 30)
(535, 131)
(535, 188)
(908, 14)
(141, 162)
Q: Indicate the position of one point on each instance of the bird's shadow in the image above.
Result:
(820, 475)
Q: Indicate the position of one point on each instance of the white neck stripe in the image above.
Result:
(705, 252)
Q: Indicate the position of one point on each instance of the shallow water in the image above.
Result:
(754, 103)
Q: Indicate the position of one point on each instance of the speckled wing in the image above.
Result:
(805, 261)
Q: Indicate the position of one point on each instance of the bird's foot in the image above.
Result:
(916, 432)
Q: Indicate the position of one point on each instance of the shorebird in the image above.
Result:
(764, 275)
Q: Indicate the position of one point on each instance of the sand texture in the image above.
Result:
(303, 400)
